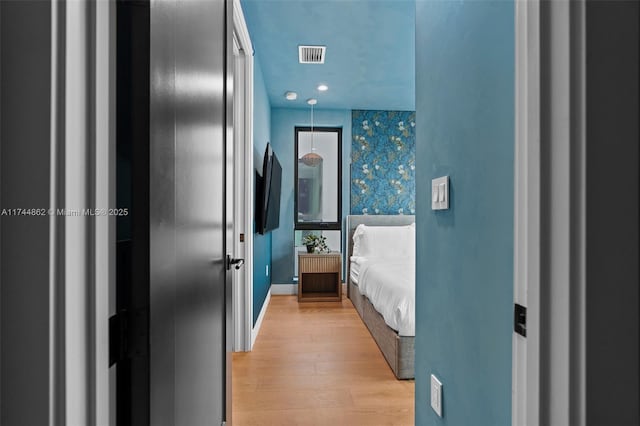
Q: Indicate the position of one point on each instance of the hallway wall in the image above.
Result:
(612, 231)
(261, 135)
(25, 173)
(465, 129)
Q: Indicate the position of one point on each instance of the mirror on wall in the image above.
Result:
(318, 175)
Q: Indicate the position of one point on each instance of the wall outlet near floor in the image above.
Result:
(436, 395)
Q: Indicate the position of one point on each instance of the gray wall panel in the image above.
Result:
(612, 234)
(24, 183)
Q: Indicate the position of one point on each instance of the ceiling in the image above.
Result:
(370, 51)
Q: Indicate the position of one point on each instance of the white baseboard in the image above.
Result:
(256, 328)
(281, 289)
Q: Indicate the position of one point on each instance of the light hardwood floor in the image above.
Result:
(316, 364)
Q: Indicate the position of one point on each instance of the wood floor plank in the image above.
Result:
(316, 364)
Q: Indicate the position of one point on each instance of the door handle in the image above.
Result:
(238, 262)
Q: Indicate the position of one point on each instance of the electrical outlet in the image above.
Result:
(436, 395)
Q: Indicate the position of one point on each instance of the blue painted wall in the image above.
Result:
(383, 154)
(261, 135)
(283, 122)
(465, 129)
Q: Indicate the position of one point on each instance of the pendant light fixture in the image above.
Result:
(312, 159)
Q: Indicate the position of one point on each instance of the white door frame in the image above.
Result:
(526, 267)
(549, 213)
(243, 182)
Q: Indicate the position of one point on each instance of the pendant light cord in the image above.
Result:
(312, 159)
(312, 145)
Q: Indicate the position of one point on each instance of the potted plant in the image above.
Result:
(315, 243)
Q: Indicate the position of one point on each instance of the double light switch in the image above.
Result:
(440, 193)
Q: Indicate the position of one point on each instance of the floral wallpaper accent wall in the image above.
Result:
(383, 157)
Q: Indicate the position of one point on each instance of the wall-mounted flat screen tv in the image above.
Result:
(268, 193)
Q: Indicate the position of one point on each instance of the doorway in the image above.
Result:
(243, 180)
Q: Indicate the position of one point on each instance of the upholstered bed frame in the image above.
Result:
(397, 350)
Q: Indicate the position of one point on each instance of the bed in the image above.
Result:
(381, 284)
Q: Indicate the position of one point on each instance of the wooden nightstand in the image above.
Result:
(319, 277)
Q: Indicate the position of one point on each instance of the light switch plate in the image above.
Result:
(440, 193)
(436, 395)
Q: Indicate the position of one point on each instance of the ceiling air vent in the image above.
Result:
(311, 54)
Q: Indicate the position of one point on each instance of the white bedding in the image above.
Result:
(389, 283)
(354, 272)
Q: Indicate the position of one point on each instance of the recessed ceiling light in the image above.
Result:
(312, 101)
(291, 96)
(323, 87)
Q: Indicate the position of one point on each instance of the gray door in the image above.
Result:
(188, 278)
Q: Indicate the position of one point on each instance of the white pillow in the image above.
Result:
(385, 241)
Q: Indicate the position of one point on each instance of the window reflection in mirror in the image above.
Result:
(318, 175)
(310, 191)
